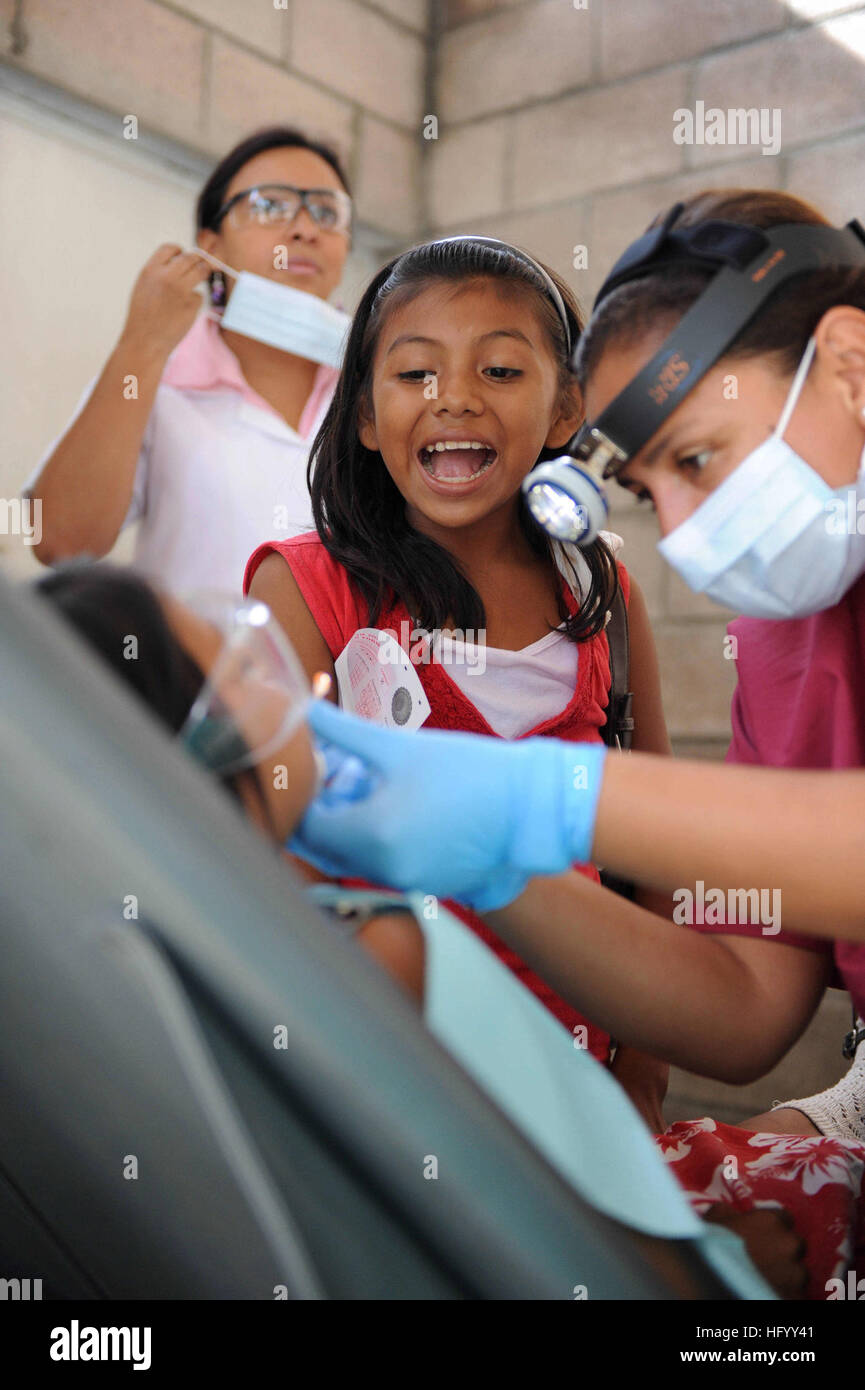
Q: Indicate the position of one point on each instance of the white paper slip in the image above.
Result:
(378, 681)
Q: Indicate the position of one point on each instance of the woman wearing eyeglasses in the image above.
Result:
(200, 432)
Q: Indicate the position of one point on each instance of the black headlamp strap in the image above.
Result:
(709, 244)
(725, 307)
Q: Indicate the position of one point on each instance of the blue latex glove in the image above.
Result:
(344, 777)
(456, 815)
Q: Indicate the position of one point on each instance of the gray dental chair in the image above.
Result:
(155, 1143)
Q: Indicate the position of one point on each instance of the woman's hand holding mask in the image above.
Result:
(165, 300)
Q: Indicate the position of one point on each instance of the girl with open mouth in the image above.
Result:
(456, 382)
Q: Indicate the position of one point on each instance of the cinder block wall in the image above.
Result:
(556, 132)
(206, 72)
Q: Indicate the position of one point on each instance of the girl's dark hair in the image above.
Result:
(212, 195)
(106, 605)
(655, 302)
(360, 513)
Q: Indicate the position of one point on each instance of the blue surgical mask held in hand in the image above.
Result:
(452, 814)
(282, 316)
(773, 540)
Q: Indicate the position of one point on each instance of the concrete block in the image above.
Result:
(136, 59)
(697, 682)
(641, 34)
(459, 11)
(388, 187)
(246, 93)
(8, 10)
(363, 56)
(259, 24)
(831, 176)
(363, 262)
(597, 139)
(466, 172)
(710, 750)
(813, 76)
(682, 602)
(639, 554)
(512, 57)
(414, 13)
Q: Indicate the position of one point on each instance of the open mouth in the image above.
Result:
(457, 461)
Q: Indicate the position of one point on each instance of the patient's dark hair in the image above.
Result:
(359, 511)
(106, 605)
(657, 301)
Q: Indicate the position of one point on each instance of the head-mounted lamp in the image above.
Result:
(566, 496)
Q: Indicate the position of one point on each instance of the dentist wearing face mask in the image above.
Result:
(773, 540)
(200, 424)
(761, 502)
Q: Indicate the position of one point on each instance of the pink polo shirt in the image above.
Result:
(203, 361)
(219, 470)
(800, 702)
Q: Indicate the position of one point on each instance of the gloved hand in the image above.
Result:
(456, 815)
(342, 776)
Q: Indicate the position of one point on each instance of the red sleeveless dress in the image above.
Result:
(339, 610)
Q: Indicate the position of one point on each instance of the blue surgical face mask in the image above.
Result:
(774, 540)
(282, 316)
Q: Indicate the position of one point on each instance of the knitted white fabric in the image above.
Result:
(838, 1112)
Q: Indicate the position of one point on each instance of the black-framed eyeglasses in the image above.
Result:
(273, 204)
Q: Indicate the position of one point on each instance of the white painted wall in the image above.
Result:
(79, 215)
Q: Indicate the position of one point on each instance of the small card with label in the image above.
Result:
(377, 680)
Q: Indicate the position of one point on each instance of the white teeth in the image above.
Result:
(428, 452)
(443, 444)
